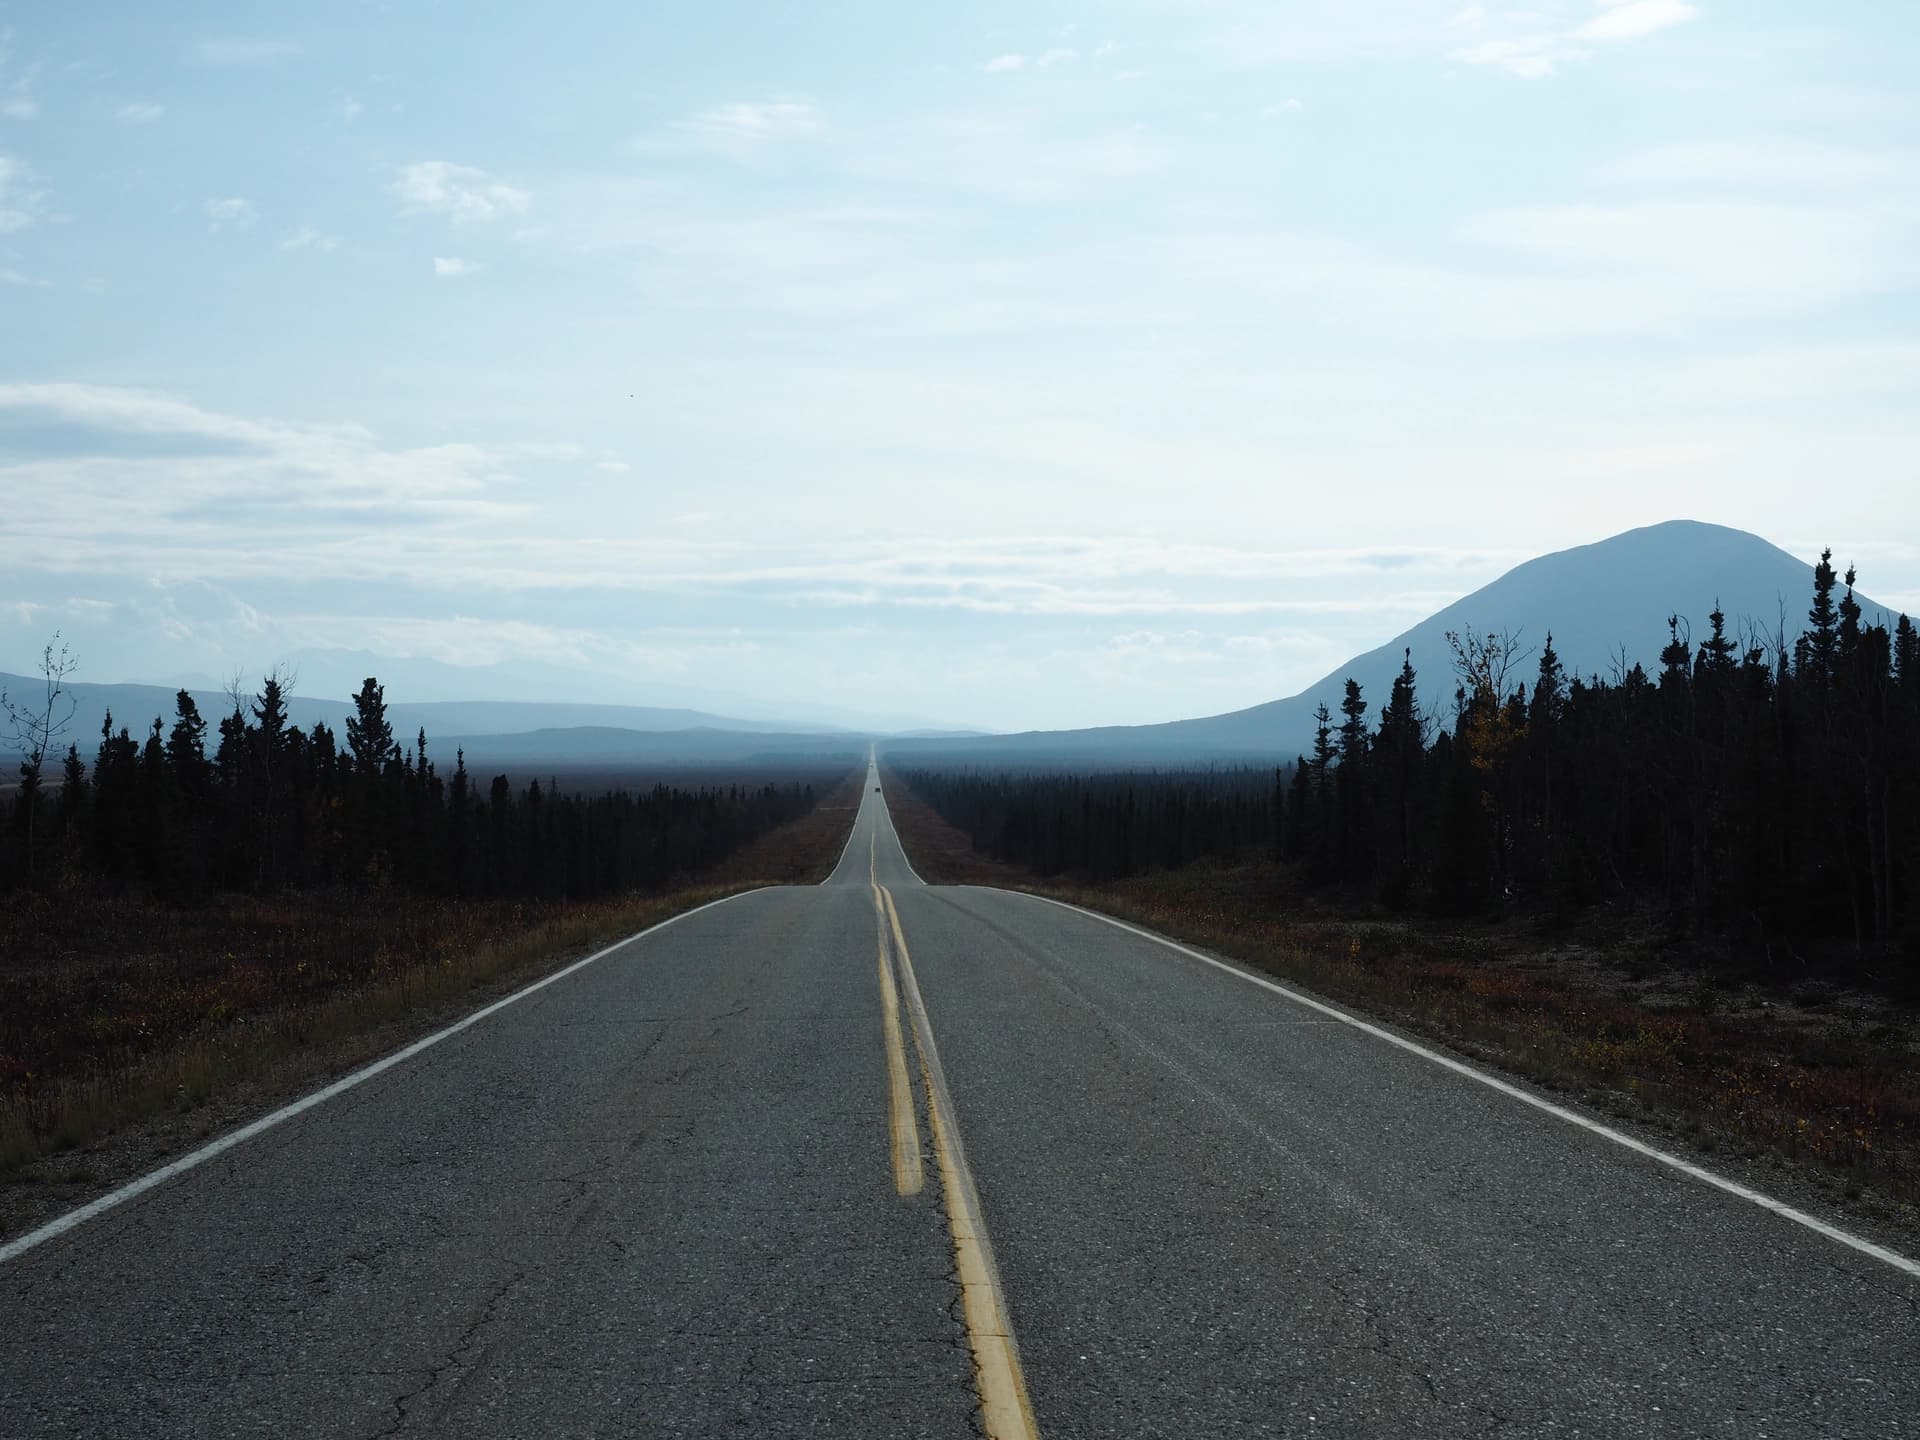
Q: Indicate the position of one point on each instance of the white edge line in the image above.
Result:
(896, 839)
(854, 825)
(1685, 1167)
(74, 1218)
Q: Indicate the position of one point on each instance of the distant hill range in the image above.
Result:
(490, 730)
(1599, 601)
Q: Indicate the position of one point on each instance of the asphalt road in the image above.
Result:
(664, 1196)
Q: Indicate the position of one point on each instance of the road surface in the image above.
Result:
(883, 1159)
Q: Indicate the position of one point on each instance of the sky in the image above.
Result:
(1007, 364)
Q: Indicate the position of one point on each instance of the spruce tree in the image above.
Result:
(369, 733)
(1822, 635)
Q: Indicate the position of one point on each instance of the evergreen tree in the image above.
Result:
(1822, 635)
(73, 791)
(187, 753)
(369, 732)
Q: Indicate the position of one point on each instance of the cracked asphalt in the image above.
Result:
(655, 1198)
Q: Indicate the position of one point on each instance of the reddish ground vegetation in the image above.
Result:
(118, 1013)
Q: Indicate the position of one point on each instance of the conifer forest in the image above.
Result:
(1762, 793)
(250, 803)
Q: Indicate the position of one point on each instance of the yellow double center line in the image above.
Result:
(908, 1177)
(1005, 1411)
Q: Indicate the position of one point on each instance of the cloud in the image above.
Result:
(1548, 41)
(308, 238)
(236, 51)
(1630, 19)
(462, 193)
(454, 268)
(14, 277)
(1772, 163)
(157, 487)
(16, 97)
(234, 210)
(21, 203)
(1558, 271)
(1001, 64)
(169, 485)
(351, 109)
(744, 128)
(1061, 56)
(1007, 157)
(139, 113)
(1761, 255)
(1531, 57)
(612, 467)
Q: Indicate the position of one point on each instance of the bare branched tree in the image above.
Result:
(1483, 662)
(32, 726)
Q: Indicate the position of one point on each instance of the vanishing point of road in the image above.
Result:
(878, 1158)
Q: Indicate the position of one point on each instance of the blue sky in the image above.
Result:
(1012, 364)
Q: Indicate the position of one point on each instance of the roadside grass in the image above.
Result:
(1607, 1011)
(116, 1012)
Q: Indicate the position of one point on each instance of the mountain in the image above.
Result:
(338, 671)
(1597, 600)
(602, 747)
(134, 707)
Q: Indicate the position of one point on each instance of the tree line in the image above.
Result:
(1764, 790)
(254, 803)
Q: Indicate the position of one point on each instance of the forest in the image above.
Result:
(1763, 795)
(253, 804)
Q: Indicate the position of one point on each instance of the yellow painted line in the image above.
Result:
(908, 1175)
(1005, 1411)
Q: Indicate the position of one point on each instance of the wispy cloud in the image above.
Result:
(462, 193)
(16, 86)
(1531, 57)
(1534, 47)
(241, 51)
(1002, 64)
(1630, 19)
(308, 238)
(139, 113)
(1007, 156)
(22, 203)
(15, 277)
(233, 210)
(454, 268)
(211, 477)
(1773, 163)
(1763, 255)
(745, 128)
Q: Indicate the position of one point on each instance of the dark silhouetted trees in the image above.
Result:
(1762, 792)
(275, 806)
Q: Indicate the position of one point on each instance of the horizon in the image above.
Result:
(1031, 368)
(541, 691)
